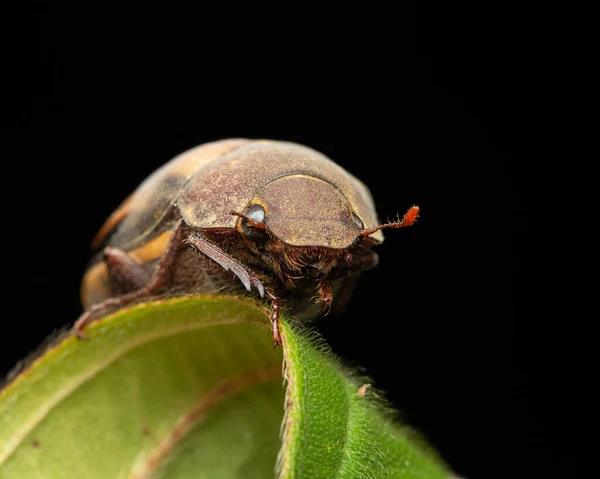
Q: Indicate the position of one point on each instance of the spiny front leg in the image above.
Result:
(248, 278)
(200, 244)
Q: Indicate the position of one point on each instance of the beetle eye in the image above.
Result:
(256, 213)
(358, 222)
(255, 233)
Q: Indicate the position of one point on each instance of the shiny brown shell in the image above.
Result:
(146, 212)
(231, 182)
(210, 181)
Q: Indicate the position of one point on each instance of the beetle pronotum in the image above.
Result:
(283, 218)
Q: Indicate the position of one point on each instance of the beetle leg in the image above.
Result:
(275, 308)
(98, 310)
(227, 262)
(324, 296)
(158, 280)
(245, 274)
(124, 271)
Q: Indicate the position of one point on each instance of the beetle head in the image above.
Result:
(304, 226)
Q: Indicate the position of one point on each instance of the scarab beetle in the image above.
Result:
(283, 218)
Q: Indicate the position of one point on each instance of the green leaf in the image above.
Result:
(192, 387)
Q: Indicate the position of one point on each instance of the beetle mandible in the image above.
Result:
(285, 219)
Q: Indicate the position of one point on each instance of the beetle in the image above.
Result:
(286, 220)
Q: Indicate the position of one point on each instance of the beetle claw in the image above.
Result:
(260, 288)
(80, 325)
(246, 283)
(80, 334)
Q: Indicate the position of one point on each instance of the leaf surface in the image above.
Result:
(192, 387)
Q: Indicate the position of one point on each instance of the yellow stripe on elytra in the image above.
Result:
(94, 286)
(111, 223)
(152, 250)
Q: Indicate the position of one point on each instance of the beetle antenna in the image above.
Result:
(254, 224)
(408, 219)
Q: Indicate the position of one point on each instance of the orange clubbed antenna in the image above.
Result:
(408, 219)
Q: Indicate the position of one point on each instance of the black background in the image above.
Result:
(434, 107)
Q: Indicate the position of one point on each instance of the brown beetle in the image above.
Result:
(281, 217)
